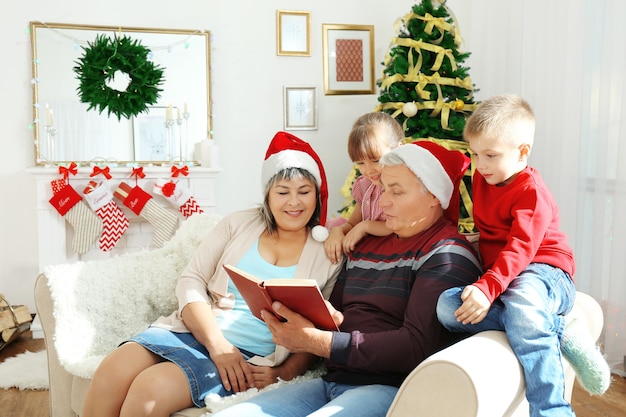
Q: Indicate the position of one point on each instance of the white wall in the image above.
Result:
(549, 52)
(247, 78)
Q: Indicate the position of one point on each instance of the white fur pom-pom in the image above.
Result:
(320, 233)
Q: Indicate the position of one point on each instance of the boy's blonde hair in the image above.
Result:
(362, 144)
(506, 118)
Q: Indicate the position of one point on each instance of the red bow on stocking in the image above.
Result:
(66, 171)
(104, 171)
(184, 171)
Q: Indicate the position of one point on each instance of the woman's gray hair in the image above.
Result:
(289, 174)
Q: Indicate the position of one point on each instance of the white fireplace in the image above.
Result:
(55, 234)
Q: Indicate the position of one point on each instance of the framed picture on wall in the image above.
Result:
(300, 108)
(348, 52)
(150, 135)
(293, 33)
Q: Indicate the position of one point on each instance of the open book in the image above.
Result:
(300, 295)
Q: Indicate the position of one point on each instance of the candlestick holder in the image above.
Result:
(185, 141)
(50, 134)
(169, 124)
(179, 122)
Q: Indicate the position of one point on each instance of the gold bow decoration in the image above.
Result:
(420, 45)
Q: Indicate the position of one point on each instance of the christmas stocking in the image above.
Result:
(179, 196)
(142, 204)
(114, 221)
(87, 225)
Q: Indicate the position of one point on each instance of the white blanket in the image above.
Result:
(98, 304)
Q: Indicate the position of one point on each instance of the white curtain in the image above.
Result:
(601, 190)
(568, 59)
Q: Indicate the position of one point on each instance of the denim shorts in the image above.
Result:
(191, 356)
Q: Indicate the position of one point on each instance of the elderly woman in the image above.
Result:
(213, 343)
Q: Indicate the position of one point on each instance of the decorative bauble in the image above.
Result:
(409, 109)
(319, 233)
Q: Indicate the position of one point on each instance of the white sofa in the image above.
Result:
(83, 308)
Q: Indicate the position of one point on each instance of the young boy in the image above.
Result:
(527, 288)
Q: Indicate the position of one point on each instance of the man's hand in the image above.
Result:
(297, 334)
(475, 306)
(335, 314)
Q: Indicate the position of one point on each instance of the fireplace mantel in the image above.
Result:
(55, 234)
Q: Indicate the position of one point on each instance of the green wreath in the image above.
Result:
(103, 62)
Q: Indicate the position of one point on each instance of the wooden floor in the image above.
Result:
(16, 403)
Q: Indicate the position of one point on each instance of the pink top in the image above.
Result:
(368, 194)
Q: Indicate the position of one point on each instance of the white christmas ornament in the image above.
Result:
(409, 109)
(319, 233)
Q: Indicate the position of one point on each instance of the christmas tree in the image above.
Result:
(427, 89)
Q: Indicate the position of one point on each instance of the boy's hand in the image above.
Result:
(475, 306)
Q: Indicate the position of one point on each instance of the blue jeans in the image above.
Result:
(317, 398)
(531, 311)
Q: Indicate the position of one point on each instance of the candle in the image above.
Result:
(48, 115)
(186, 110)
(51, 118)
(178, 113)
(168, 113)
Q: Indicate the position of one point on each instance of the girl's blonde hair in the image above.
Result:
(363, 143)
(507, 118)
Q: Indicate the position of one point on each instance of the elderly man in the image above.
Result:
(385, 298)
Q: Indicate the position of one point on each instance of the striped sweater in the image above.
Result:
(388, 294)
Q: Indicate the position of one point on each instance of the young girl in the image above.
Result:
(372, 136)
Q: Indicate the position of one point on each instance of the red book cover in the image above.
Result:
(300, 295)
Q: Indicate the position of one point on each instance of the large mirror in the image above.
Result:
(65, 130)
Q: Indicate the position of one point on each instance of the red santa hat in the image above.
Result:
(440, 170)
(287, 151)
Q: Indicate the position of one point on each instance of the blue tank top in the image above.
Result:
(239, 326)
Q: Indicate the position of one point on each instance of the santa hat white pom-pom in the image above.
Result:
(320, 233)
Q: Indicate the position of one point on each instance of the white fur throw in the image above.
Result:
(99, 304)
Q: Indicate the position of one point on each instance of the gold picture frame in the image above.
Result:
(300, 108)
(293, 33)
(348, 52)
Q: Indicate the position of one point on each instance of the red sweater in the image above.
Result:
(518, 225)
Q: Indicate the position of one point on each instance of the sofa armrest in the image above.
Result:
(456, 381)
(480, 376)
(60, 380)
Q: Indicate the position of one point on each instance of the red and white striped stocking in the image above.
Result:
(179, 196)
(114, 221)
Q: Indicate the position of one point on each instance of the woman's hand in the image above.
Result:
(233, 369)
